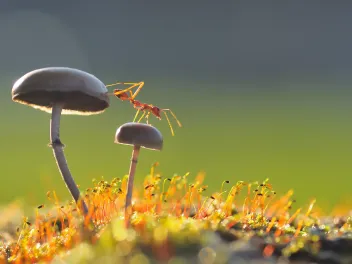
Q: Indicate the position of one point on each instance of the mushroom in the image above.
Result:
(138, 135)
(61, 90)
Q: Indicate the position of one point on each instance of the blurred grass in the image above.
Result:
(298, 138)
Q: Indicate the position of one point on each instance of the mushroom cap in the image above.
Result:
(80, 92)
(139, 134)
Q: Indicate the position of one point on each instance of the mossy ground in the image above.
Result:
(174, 220)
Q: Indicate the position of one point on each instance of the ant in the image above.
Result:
(147, 109)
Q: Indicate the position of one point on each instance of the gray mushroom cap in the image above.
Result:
(80, 92)
(139, 134)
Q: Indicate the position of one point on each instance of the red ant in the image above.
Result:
(147, 109)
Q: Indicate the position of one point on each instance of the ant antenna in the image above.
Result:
(168, 120)
(172, 113)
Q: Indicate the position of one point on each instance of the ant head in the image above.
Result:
(156, 111)
(122, 96)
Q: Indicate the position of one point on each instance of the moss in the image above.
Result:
(175, 219)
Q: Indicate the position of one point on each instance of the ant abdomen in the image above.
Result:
(122, 96)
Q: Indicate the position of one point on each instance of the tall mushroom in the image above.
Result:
(61, 90)
(138, 135)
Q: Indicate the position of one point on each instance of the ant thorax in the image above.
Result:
(137, 103)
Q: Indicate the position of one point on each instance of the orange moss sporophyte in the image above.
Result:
(166, 214)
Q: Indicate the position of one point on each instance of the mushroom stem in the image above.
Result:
(59, 155)
(132, 171)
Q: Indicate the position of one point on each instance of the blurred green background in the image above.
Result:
(263, 90)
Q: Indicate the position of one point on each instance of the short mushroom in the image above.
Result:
(138, 135)
(61, 90)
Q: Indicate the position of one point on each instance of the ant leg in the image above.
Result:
(128, 89)
(113, 84)
(141, 84)
(168, 120)
(116, 93)
(178, 122)
(135, 117)
(132, 85)
(147, 117)
(140, 119)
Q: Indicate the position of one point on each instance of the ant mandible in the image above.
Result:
(147, 109)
